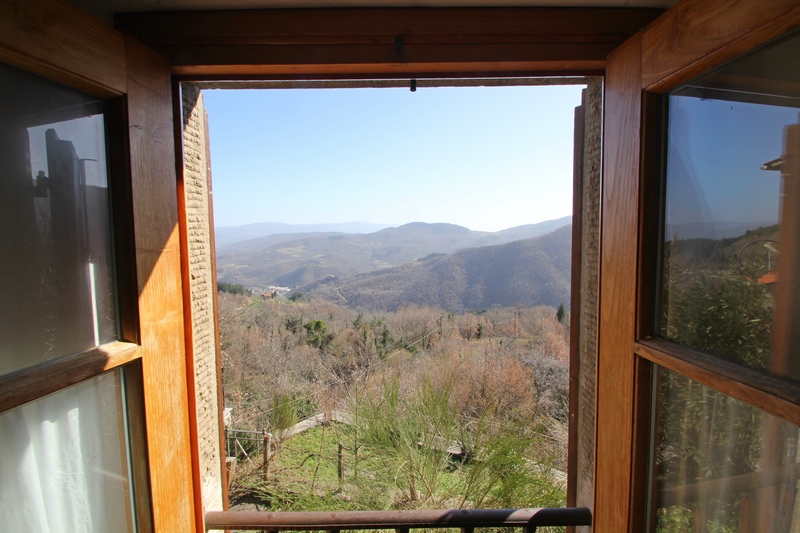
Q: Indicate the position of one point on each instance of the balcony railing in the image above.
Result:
(400, 521)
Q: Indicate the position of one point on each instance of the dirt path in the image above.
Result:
(317, 420)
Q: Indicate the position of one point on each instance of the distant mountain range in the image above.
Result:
(296, 259)
(226, 235)
(713, 230)
(528, 272)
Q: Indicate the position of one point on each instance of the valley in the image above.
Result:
(426, 264)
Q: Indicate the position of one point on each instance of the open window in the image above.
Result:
(585, 250)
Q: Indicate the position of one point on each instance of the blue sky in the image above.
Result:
(715, 155)
(484, 158)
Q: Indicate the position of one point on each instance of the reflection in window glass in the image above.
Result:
(56, 287)
(729, 233)
(64, 461)
(718, 464)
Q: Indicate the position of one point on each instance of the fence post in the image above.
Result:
(340, 465)
(267, 439)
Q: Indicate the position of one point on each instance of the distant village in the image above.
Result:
(269, 292)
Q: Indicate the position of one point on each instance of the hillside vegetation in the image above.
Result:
(442, 409)
(435, 356)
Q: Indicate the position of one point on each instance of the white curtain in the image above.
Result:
(63, 464)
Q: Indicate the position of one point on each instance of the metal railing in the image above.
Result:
(401, 521)
(235, 437)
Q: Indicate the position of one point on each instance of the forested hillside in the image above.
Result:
(718, 296)
(529, 272)
(298, 259)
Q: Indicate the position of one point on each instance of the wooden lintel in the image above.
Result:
(249, 41)
(387, 70)
(58, 41)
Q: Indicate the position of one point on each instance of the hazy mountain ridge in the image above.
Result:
(299, 259)
(227, 235)
(527, 272)
(712, 229)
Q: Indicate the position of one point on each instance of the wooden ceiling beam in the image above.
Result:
(247, 42)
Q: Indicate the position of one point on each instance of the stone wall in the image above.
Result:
(589, 288)
(197, 185)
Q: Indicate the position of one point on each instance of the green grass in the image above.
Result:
(304, 476)
(308, 462)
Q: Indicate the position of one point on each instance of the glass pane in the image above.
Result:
(56, 287)
(719, 464)
(730, 244)
(64, 461)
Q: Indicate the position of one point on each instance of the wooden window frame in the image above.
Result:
(311, 44)
(136, 83)
(690, 39)
(103, 62)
